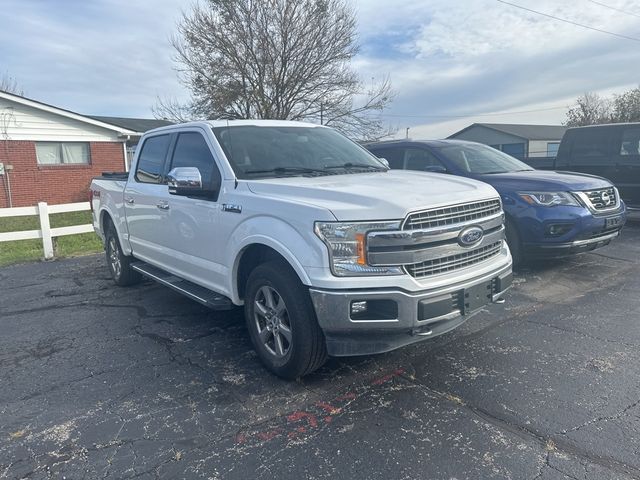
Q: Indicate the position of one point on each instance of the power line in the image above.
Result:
(477, 114)
(614, 8)
(619, 35)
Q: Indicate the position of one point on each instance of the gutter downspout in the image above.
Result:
(6, 172)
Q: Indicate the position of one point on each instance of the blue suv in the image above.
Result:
(548, 213)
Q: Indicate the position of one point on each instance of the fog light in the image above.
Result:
(558, 229)
(358, 307)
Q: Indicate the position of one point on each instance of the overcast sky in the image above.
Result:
(452, 62)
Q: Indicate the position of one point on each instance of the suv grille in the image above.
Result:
(454, 262)
(451, 215)
(602, 199)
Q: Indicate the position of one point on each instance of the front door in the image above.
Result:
(192, 234)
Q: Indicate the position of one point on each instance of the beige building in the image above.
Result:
(520, 141)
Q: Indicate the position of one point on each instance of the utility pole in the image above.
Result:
(407, 134)
(321, 113)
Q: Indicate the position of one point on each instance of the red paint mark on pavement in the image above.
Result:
(389, 376)
(299, 415)
(301, 422)
(328, 408)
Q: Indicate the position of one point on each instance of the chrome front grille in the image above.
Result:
(603, 198)
(432, 242)
(445, 216)
(454, 262)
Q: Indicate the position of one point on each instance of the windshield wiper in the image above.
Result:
(287, 171)
(349, 165)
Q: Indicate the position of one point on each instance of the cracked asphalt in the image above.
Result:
(105, 382)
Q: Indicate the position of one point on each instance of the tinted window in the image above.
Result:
(481, 159)
(151, 159)
(192, 151)
(630, 142)
(420, 159)
(270, 151)
(590, 146)
(395, 156)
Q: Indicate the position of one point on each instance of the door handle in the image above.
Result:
(129, 200)
(163, 205)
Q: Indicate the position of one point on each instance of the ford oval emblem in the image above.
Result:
(470, 236)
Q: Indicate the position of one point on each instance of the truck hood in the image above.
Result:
(542, 180)
(387, 195)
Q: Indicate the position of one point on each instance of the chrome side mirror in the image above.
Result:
(185, 181)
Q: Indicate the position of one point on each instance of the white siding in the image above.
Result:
(27, 123)
(538, 148)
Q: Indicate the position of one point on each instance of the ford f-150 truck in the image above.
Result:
(329, 251)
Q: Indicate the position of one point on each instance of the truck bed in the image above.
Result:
(113, 176)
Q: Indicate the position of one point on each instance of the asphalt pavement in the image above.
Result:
(98, 381)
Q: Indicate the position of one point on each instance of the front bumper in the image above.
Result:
(587, 233)
(394, 318)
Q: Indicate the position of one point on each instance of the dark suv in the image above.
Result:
(609, 151)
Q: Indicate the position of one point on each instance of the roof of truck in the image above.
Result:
(237, 123)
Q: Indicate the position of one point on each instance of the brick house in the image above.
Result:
(51, 154)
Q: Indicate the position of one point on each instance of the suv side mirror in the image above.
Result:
(187, 181)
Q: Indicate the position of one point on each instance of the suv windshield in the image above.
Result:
(264, 152)
(482, 159)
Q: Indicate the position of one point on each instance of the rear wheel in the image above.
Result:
(118, 263)
(282, 322)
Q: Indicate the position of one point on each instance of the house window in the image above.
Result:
(552, 149)
(514, 149)
(62, 153)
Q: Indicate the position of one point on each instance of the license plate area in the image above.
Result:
(612, 222)
(477, 297)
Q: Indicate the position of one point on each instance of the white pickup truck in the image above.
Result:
(329, 251)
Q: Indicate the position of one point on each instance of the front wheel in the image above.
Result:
(282, 322)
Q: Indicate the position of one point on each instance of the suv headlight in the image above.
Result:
(347, 247)
(549, 199)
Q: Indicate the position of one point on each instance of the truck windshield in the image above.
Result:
(481, 159)
(270, 151)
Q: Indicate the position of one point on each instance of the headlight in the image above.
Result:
(549, 199)
(347, 247)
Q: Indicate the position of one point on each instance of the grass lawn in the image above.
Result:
(30, 250)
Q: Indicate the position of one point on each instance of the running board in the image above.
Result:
(211, 299)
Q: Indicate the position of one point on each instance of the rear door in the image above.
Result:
(141, 198)
(627, 155)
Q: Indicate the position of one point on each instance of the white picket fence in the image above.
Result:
(46, 233)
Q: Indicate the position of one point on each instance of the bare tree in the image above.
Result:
(626, 107)
(9, 84)
(278, 59)
(590, 109)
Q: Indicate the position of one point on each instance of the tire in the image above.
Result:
(515, 244)
(281, 321)
(119, 264)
